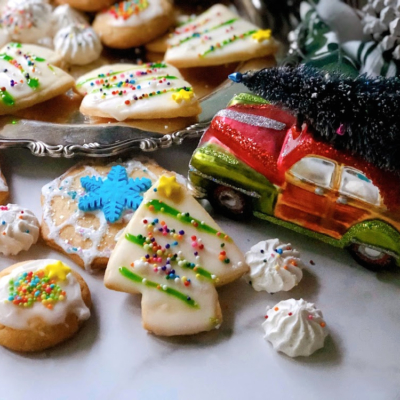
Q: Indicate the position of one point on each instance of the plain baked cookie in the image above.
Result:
(87, 5)
(88, 237)
(133, 23)
(217, 37)
(129, 91)
(42, 303)
(174, 254)
(28, 78)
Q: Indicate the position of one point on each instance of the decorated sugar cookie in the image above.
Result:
(78, 44)
(3, 189)
(34, 50)
(27, 21)
(218, 36)
(274, 266)
(134, 22)
(19, 229)
(42, 303)
(295, 327)
(128, 91)
(174, 254)
(87, 208)
(87, 5)
(28, 79)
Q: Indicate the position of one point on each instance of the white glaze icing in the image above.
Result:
(21, 318)
(271, 271)
(19, 229)
(65, 15)
(295, 327)
(78, 44)
(24, 67)
(143, 81)
(61, 187)
(27, 21)
(191, 42)
(153, 10)
(4, 37)
(163, 313)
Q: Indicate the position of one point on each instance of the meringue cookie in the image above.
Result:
(27, 21)
(295, 328)
(65, 15)
(78, 44)
(274, 266)
(19, 229)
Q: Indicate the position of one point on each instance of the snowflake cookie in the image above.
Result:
(174, 254)
(86, 209)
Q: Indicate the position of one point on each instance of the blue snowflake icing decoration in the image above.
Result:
(113, 194)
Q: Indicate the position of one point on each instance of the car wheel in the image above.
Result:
(230, 202)
(370, 258)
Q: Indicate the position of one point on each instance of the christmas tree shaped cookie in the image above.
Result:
(174, 253)
(129, 91)
(27, 78)
(218, 36)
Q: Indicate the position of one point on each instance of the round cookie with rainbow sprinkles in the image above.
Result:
(129, 91)
(174, 254)
(87, 208)
(133, 23)
(42, 303)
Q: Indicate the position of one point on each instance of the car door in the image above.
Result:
(308, 194)
(357, 199)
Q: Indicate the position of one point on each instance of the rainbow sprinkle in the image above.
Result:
(35, 287)
(125, 9)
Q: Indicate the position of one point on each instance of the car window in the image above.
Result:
(355, 184)
(315, 170)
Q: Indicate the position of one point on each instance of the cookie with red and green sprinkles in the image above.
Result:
(133, 23)
(216, 37)
(175, 255)
(129, 91)
(42, 303)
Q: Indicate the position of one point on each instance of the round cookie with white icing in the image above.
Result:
(133, 23)
(89, 234)
(129, 91)
(274, 266)
(42, 303)
(27, 21)
(295, 327)
(19, 229)
(78, 44)
(65, 15)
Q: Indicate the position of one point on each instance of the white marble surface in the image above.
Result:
(112, 357)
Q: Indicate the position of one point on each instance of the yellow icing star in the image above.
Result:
(262, 35)
(168, 187)
(183, 95)
(58, 270)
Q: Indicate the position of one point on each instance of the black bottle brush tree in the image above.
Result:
(360, 114)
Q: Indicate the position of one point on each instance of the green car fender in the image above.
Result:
(375, 233)
(214, 164)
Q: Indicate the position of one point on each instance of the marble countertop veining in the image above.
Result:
(113, 357)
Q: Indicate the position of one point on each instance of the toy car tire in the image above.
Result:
(369, 258)
(230, 202)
